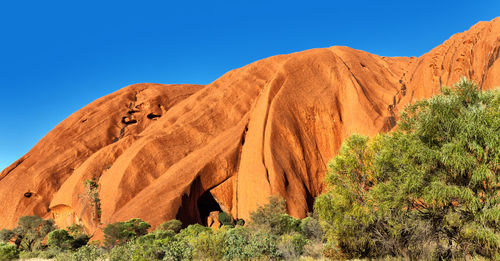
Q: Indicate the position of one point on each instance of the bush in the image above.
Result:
(48, 253)
(79, 235)
(61, 239)
(313, 249)
(177, 248)
(429, 189)
(85, 253)
(291, 246)
(207, 245)
(269, 214)
(262, 244)
(121, 232)
(29, 233)
(8, 252)
(6, 235)
(272, 217)
(234, 243)
(124, 252)
(311, 228)
(174, 225)
(226, 219)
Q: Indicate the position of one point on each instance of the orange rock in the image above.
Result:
(161, 152)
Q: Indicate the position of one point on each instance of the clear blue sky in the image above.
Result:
(58, 56)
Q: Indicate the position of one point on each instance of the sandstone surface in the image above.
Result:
(159, 152)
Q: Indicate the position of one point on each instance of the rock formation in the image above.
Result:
(159, 152)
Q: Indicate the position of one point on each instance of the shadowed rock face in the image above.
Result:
(160, 152)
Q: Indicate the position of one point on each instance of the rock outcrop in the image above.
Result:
(159, 152)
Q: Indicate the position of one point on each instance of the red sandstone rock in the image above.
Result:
(174, 151)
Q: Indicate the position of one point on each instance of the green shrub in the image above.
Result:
(174, 225)
(124, 252)
(92, 196)
(287, 224)
(313, 249)
(85, 253)
(193, 231)
(208, 245)
(61, 239)
(226, 219)
(79, 235)
(48, 253)
(262, 244)
(427, 190)
(121, 232)
(234, 243)
(272, 217)
(29, 233)
(269, 214)
(8, 252)
(6, 235)
(311, 228)
(291, 246)
(177, 248)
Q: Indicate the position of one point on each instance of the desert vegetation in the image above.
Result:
(270, 234)
(429, 190)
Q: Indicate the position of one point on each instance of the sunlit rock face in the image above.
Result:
(159, 152)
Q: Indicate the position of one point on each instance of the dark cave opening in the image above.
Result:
(206, 203)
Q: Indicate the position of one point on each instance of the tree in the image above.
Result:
(79, 235)
(121, 232)
(29, 233)
(60, 239)
(174, 225)
(430, 186)
(72, 238)
(272, 218)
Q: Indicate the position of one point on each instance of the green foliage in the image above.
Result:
(261, 244)
(85, 253)
(177, 248)
(6, 235)
(272, 217)
(60, 238)
(207, 245)
(121, 232)
(269, 214)
(174, 225)
(92, 195)
(226, 219)
(283, 238)
(427, 190)
(29, 233)
(311, 228)
(8, 252)
(79, 235)
(291, 246)
(63, 240)
(48, 253)
(77, 230)
(343, 209)
(234, 244)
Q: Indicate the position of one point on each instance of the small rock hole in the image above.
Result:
(127, 121)
(152, 116)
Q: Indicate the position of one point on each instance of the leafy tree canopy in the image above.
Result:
(121, 232)
(428, 188)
